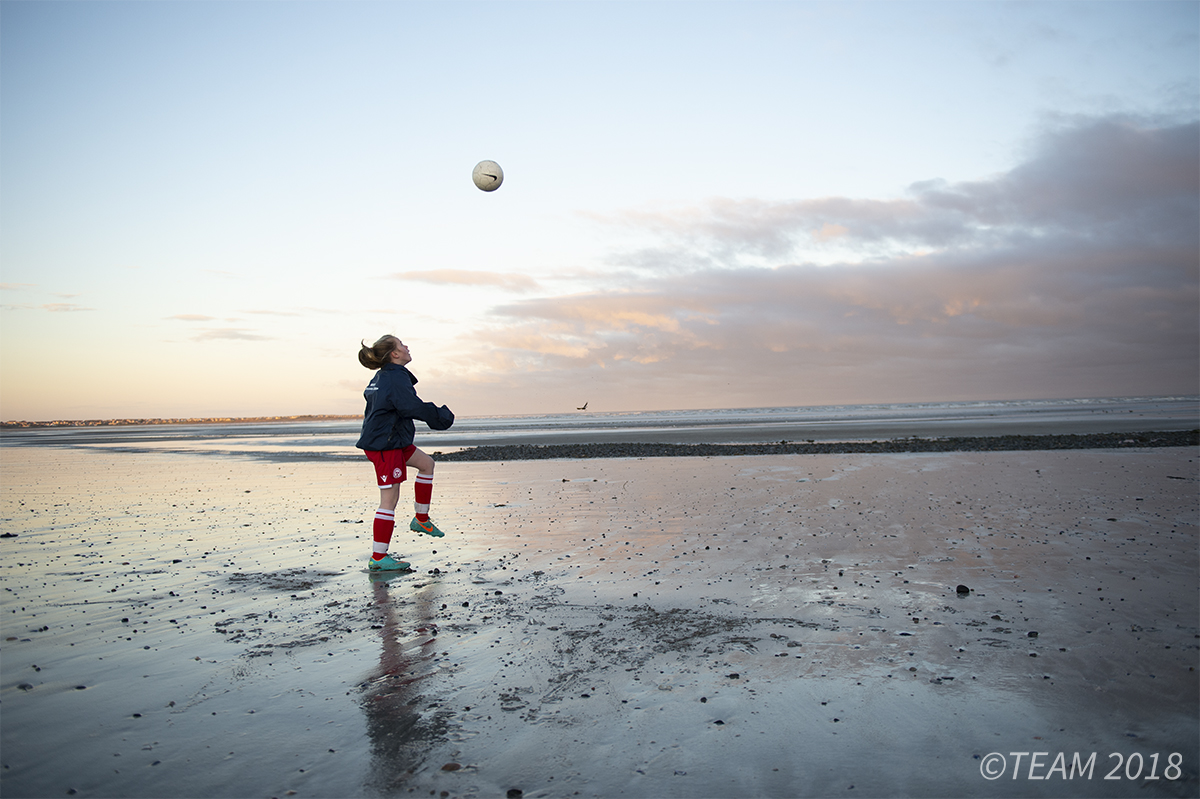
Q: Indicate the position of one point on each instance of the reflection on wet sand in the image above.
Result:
(767, 626)
(401, 734)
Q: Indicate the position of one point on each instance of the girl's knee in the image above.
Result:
(422, 462)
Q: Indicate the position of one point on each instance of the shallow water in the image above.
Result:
(334, 440)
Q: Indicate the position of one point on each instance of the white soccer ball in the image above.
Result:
(488, 175)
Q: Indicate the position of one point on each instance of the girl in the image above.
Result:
(387, 440)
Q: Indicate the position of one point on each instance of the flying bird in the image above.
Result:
(584, 408)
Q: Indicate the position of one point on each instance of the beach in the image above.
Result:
(781, 625)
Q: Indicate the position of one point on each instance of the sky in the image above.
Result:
(205, 207)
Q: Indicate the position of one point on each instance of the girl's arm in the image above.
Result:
(410, 406)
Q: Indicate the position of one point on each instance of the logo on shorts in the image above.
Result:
(397, 473)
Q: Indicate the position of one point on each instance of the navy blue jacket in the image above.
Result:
(392, 404)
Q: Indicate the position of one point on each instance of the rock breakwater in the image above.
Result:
(515, 452)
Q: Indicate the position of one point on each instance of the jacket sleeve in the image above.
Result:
(445, 418)
(409, 405)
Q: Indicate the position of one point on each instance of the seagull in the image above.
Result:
(584, 408)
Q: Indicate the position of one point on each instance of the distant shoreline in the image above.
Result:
(205, 420)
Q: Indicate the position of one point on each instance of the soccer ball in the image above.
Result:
(487, 175)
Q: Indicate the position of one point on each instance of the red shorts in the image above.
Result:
(391, 465)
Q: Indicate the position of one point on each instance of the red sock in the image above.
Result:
(423, 489)
(385, 522)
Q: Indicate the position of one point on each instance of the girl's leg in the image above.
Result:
(389, 497)
(423, 492)
(423, 484)
(385, 521)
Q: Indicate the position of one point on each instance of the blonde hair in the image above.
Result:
(376, 355)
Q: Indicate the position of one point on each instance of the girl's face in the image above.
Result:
(400, 354)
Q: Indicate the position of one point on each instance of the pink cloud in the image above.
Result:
(507, 281)
(64, 307)
(229, 334)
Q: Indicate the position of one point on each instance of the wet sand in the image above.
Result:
(779, 625)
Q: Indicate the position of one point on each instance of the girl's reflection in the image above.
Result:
(401, 736)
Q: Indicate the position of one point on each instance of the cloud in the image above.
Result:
(64, 307)
(192, 317)
(52, 307)
(1073, 274)
(507, 281)
(229, 334)
(1109, 179)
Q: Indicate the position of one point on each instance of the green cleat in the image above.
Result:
(388, 564)
(428, 528)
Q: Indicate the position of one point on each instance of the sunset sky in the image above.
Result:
(205, 206)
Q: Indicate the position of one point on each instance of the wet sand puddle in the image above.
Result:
(604, 629)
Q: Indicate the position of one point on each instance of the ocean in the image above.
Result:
(335, 439)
